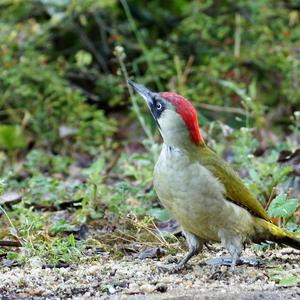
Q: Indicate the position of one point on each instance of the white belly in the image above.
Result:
(196, 199)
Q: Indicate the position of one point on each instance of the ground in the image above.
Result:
(128, 277)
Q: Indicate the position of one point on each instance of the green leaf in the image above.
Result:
(71, 240)
(11, 137)
(281, 206)
(83, 58)
(96, 168)
(292, 226)
(289, 281)
(253, 174)
(12, 255)
(13, 231)
(2, 186)
(159, 213)
(60, 226)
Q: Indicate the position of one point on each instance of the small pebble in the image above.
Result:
(93, 270)
(147, 288)
(85, 279)
(161, 288)
(36, 262)
(112, 290)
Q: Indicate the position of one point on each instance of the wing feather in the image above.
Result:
(236, 191)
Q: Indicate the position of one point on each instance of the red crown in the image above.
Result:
(187, 112)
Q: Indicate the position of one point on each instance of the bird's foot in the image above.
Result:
(169, 269)
(173, 269)
(220, 275)
(227, 261)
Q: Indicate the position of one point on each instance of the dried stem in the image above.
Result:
(10, 243)
(231, 110)
(290, 217)
(271, 197)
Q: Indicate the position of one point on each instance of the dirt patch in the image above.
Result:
(133, 278)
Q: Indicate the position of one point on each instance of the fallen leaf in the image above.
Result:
(10, 197)
(292, 159)
(168, 227)
(156, 252)
(80, 232)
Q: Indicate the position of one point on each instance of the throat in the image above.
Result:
(169, 148)
(174, 156)
(189, 150)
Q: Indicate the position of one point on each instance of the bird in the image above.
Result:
(200, 189)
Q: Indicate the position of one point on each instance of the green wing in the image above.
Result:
(236, 191)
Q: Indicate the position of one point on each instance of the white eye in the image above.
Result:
(158, 106)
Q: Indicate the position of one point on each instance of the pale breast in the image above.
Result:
(194, 196)
(175, 176)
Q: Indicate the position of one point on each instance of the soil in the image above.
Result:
(128, 277)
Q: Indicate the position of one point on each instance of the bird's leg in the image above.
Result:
(235, 256)
(195, 246)
(234, 244)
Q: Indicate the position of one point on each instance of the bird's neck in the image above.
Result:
(188, 148)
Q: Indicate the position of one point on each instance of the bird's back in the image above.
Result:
(235, 190)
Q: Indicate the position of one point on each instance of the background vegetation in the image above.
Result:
(77, 150)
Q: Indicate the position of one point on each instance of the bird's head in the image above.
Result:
(175, 116)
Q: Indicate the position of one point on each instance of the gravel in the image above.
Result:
(105, 277)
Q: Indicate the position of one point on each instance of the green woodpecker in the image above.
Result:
(199, 189)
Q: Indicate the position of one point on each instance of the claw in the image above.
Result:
(173, 269)
(227, 261)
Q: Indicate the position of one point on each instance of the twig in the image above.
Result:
(150, 231)
(10, 222)
(120, 54)
(289, 218)
(271, 197)
(159, 232)
(10, 243)
(178, 72)
(81, 76)
(295, 73)
(101, 28)
(187, 69)
(141, 43)
(113, 162)
(182, 75)
(237, 35)
(237, 43)
(86, 93)
(84, 37)
(232, 110)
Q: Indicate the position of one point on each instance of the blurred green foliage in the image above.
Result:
(63, 98)
(58, 66)
(35, 91)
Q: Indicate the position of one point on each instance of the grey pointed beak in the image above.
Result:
(143, 91)
(148, 96)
